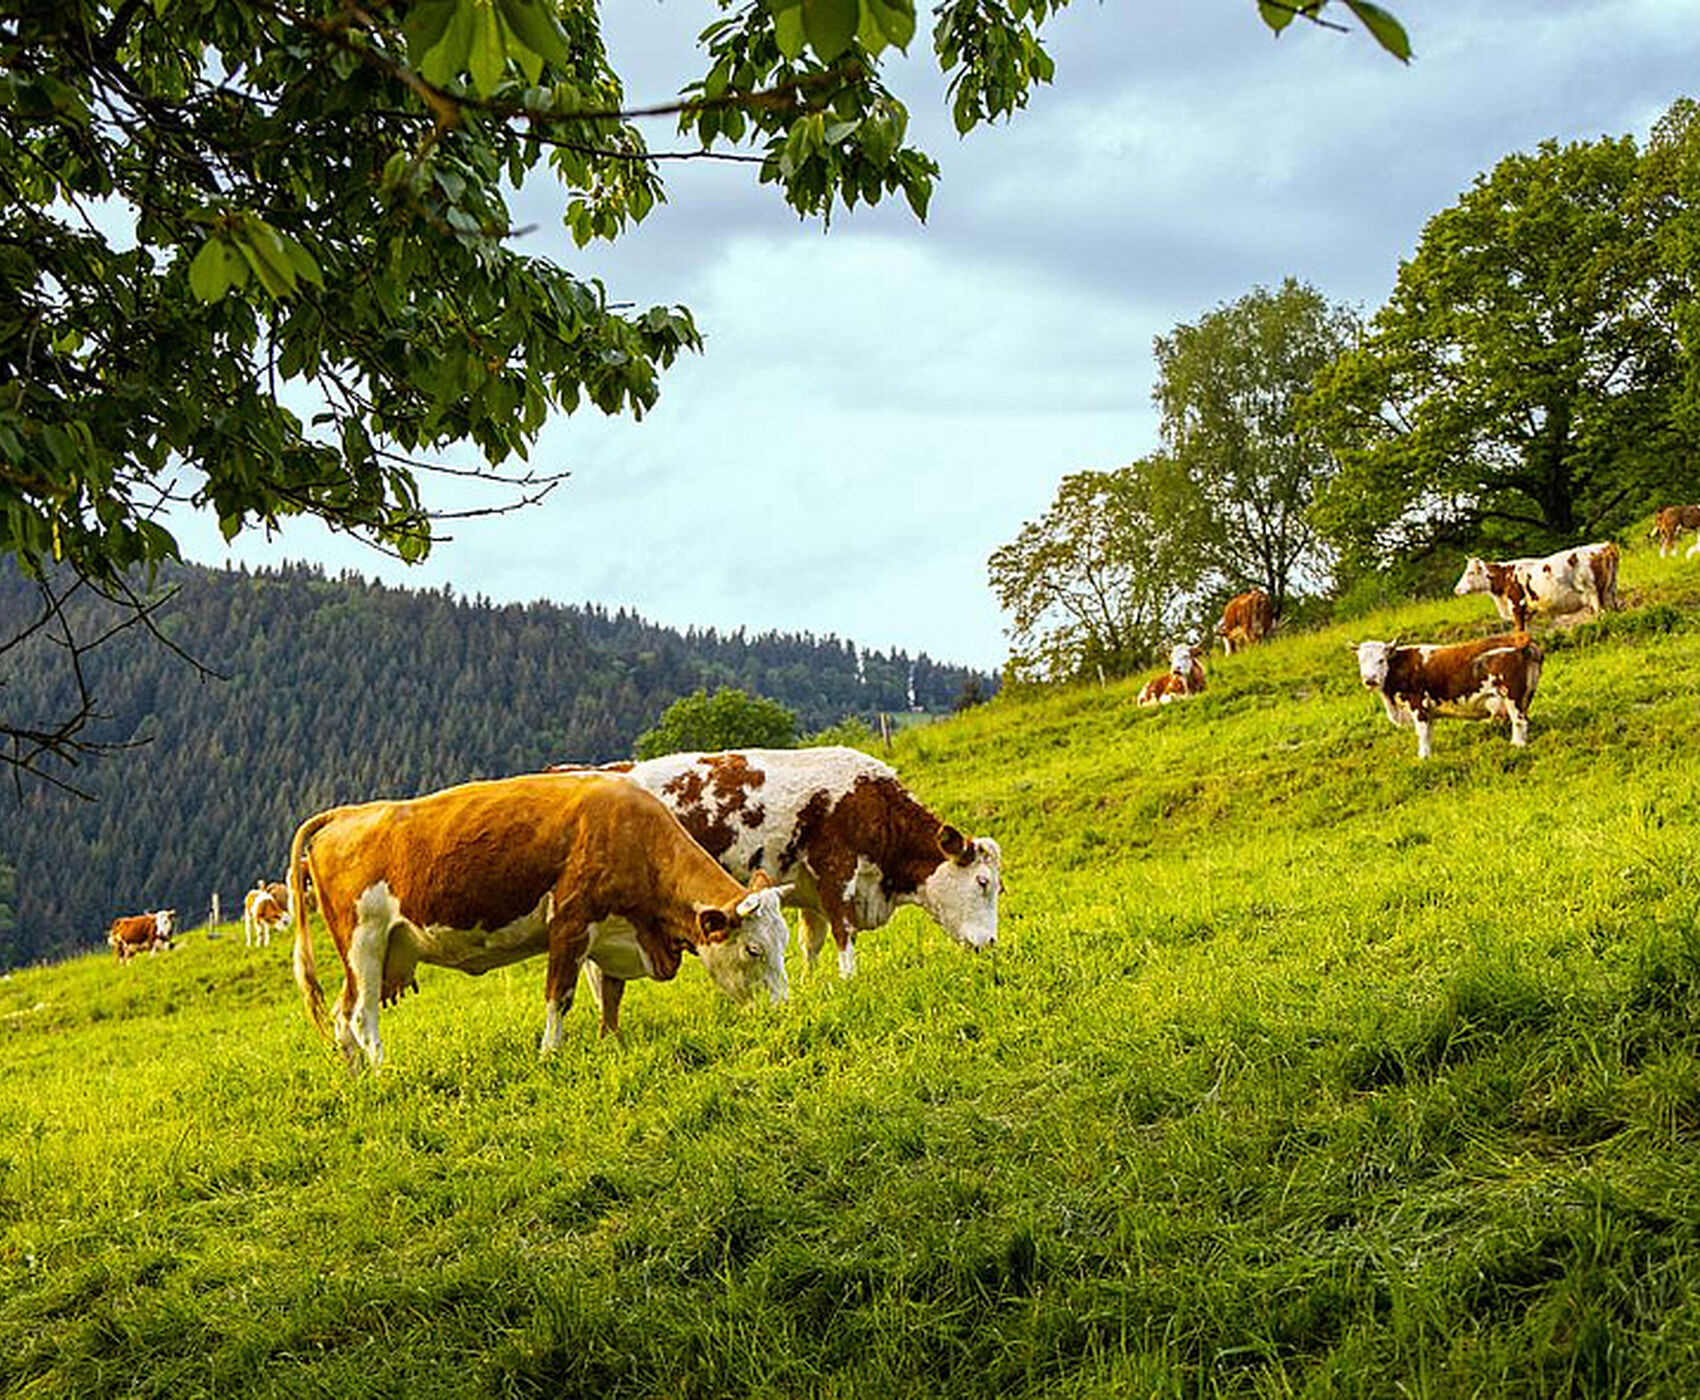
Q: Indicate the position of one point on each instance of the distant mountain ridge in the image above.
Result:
(342, 689)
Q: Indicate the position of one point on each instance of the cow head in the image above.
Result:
(1182, 658)
(1373, 660)
(1475, 578)
(962, 893)
(743, 944)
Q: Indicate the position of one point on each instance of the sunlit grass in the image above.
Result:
(1302, 1067)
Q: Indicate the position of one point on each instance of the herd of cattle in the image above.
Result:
(621, 871)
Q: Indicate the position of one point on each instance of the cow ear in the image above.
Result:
(955, 845)
(713, 921)
(761, 880)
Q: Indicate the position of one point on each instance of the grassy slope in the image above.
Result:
(1302, 1068)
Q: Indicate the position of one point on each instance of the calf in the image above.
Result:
(1493, 678)
(1669, 524)
(583, 867)
(1246, 620)
(262, 911)
(142, 933)
(1583, 579)
(1184, 678)
(840, 825)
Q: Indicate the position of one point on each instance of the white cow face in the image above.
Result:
(1180, 659)
(1474, 578)
(751, 954)
(962, 894)
(1373, 660)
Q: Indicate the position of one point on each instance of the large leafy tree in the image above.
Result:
(1105, 578)
(1228, 388)
(1517, 388)
(727, 719)
(258, 253)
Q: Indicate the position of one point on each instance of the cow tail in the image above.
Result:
(306, 974)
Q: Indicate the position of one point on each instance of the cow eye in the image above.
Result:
(985, 882)
(755, 950)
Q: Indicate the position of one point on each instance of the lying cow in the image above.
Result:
(839, 824)
(142, 933)
(1246, 620)
(584, 867)
(1184, 678)
(1492, 678)
(1583, 579)
(264, 908)
(1669, 524)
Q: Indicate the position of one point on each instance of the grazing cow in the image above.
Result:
(263, 910)
(1246, 620)
(1670, 522)
(1583, 579)
(581, 867)
(840, 825)
(1184, 678)
(1492, 678)
(142, 933)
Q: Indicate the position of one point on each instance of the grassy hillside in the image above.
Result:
(1302, 1068)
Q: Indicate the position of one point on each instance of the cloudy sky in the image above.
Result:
(880, 406)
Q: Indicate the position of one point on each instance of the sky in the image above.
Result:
(882, 404)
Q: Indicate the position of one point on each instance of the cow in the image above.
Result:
(264, 909)
(1491, 678)
(1246, 620)
(1184, 678)
(838, 824)
(1583, 579)
(142, 933)
(583, 867)
(1670, 522)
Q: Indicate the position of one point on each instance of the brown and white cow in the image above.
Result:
(583, 867)
(1669, 524)
(264, 908)
(839, 824)
(1583, 579)
(1183, 679)
(1246, 620)
(1492, 678)
(142, 933)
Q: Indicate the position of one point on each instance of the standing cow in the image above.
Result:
(1583, 579)
(142, 933)
(1246, 620)
(1669, 524)
(583, 867)
(840, 825)
(1492, 678)
(262, 911)
(1184, 678)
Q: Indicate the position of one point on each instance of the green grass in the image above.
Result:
(1302, 1068)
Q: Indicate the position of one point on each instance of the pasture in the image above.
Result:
(1302, 1068)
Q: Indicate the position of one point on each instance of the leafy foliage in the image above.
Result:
(1520, 382)
(332, 691)
(1228, 388)
(1099, 582)
(728, 719)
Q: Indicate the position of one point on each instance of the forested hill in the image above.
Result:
(336, 690)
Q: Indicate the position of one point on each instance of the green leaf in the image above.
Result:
(1388, 32)
(425, 26)
(830, 25)
(537, 29)
(886, 22)
(489, 50)
(445, 60)
(1276, 16)
(788, 32)
(207, 278)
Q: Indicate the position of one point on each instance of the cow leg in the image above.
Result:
(569, 941)
(1519, 728)
(814, 935)
(357, 1015)
(613, 988)
(1424, 728)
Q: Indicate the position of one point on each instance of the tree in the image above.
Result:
(211, 210)
(1518, 385)
(1104, 577)
(1227, 388)
(728, 719)
(1668, 200)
